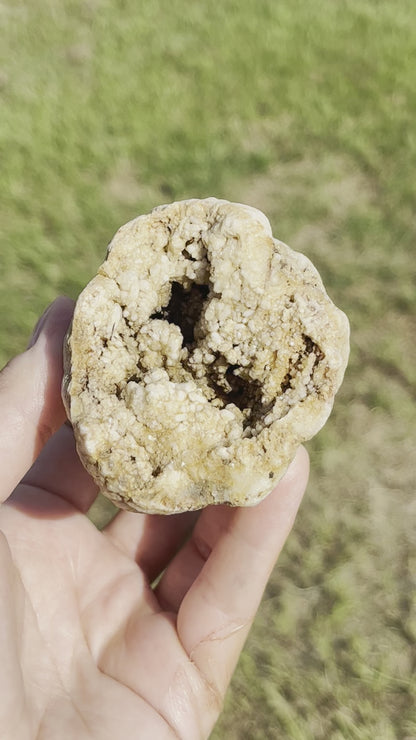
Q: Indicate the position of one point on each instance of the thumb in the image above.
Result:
(31, 409)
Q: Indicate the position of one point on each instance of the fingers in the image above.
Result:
(30, 396)
(150, 540)
(218, 578)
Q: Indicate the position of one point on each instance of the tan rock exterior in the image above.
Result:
(200, 356)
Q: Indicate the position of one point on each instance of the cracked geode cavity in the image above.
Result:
(200, 356)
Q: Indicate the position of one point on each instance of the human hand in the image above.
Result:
(88, 649)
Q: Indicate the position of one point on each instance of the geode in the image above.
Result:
(199, 357)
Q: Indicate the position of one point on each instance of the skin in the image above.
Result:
(88, 648)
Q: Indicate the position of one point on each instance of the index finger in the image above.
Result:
(30, 397)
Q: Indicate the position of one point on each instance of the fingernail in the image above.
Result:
(299, 462)
(39, 326)
(58, 313)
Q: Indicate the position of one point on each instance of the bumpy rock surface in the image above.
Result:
(200, 356)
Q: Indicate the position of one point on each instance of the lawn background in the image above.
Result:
(306, 110)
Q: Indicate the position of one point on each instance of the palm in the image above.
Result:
(88, 647)
(93, 623)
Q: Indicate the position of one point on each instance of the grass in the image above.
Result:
(306, 110)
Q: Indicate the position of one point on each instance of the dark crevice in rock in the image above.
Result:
(129, 325)
(310, 347)
(287, 380)
(158, 315)
(134, 378)
(258, 411)
(231, 386)
(184, 309)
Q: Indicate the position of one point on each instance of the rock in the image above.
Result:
(200, 356)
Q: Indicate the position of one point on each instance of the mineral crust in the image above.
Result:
(200, 356)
